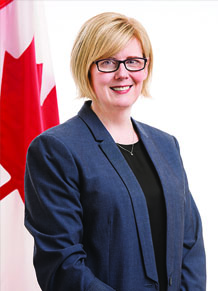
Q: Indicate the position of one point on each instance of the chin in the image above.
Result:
(127, 101)
(124, 104)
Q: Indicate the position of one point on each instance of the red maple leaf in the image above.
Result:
(22, 117)
(3, 3)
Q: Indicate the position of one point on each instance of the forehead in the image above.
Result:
(132, 49)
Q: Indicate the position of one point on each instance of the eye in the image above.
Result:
(133, 61)
(108, 62)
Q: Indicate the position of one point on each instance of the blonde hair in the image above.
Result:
(102, 36)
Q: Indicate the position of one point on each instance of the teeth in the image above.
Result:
(121, 88)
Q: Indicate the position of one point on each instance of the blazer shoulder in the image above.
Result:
(153, 132)
(163, 140)
(67, 133)
(65, 129)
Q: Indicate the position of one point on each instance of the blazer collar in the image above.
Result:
(115, 157)
(97, 128)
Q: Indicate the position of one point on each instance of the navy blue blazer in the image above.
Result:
(89, 218)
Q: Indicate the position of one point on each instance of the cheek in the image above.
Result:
(100, 80)
(140, 76)
(104, 79)
(96, 78)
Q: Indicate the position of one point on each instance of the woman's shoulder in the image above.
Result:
(163, 140)
(66, 133)
(64, 129)
(151, 131)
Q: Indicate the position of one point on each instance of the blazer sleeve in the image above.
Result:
(53, 215)
(193, 277)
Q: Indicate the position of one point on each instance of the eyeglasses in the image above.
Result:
(112, 65)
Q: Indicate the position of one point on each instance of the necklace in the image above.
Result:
(130, 152)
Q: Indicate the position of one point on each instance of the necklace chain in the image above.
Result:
(130, 152)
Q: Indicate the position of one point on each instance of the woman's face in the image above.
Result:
(119, 89)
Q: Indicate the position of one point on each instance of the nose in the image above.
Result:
(121, 73)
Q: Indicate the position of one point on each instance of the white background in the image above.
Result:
(184, 36)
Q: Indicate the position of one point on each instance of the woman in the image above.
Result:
(107, 198)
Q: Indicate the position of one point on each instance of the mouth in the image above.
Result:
(121, 88)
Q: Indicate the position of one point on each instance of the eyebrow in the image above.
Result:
(129, 57)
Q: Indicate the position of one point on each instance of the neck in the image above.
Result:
(118, 123)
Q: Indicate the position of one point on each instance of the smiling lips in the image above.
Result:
(121, 89)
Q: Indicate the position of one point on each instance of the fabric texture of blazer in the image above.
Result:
(89, 218)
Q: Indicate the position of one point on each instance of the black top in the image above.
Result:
(146, 174)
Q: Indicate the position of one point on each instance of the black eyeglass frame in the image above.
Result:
(121, 62)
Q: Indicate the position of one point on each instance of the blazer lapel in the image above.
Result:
(170, 186)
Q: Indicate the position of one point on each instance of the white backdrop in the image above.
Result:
(184, 36)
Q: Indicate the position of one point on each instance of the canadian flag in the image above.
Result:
(28, 106)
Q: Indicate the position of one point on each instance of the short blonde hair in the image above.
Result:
(102, 36)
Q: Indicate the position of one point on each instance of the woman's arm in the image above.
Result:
(53, 215)
(194, 262)
(193, 277)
